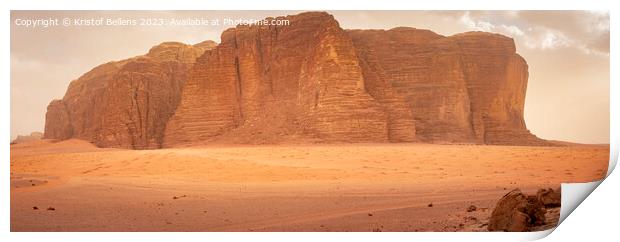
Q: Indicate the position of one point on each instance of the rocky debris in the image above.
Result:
(35, 208)
(430, 205)
(471, 208)
(20, 182)
(518, 212)
(549, 197)
(51, 209)
(307, 81)
(34, 136)
(470, 218)
(552, 219)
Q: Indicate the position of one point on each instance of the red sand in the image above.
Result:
(336, 187)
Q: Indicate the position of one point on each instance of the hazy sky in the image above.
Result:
(567, 53)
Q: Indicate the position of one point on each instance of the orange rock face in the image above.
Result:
(273, 83)
(126, 103)
(467, 88)
(309, 81)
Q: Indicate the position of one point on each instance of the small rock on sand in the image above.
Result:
(35, 208)
(430, 205)
(51, 209)
(471, 208)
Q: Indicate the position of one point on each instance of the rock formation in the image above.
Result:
(125, 103)
(34, 136)
(518, 212)
(266, 83)
(309, 81)
(550, 197)
(466, 88)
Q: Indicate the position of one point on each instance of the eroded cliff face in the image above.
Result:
(466, 88)
(310, 81)
(497, 83)
(266, 84)
(125, 103)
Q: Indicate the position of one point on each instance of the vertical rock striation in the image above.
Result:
(309, 81)
(125, 103)
(466, 88)
(271, 83)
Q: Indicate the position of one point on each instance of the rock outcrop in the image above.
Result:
(309, 81)
(518, 212)
(34, 136)
(125, 103)
(466, 88)
(550, 197)
(268, 83)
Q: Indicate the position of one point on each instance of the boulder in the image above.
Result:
(517, 212)
(550, 197)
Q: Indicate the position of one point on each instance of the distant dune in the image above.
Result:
(48, 146)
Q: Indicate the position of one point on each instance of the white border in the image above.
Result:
(285, 5)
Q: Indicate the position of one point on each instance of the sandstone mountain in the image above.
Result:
(125, 103)
(34, 136)
(309, 81)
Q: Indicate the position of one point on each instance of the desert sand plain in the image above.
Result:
(74, 186)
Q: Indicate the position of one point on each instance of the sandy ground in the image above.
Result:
(74, 186)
